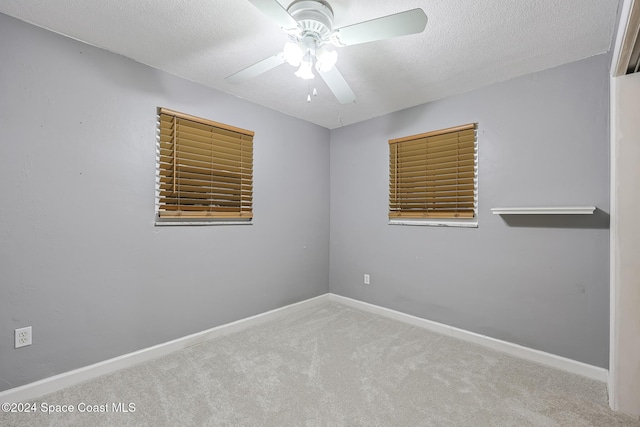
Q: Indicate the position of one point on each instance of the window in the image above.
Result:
(205, 170)
(433, 177)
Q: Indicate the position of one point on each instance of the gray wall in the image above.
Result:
(537, 281)
(80, 259)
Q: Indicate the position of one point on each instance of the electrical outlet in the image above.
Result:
(23, 337)
(367, 279)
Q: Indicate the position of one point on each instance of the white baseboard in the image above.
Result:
(537, 356)
(36, 389)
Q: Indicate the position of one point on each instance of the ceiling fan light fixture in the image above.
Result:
(305, 72)
(293, 53)
(325, 59)
(309, 25)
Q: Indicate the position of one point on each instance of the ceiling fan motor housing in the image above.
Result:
(315, 18)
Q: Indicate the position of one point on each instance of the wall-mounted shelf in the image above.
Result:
(536, 210)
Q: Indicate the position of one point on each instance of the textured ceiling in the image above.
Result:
(467, 44)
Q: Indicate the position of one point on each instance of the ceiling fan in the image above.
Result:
(309, 25)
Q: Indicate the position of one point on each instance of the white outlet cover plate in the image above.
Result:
(23, 337)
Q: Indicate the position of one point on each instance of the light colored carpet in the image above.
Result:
(333, 365)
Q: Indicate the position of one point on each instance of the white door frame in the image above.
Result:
(625, 40)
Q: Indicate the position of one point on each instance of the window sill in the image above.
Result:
(435, 223)
(172, 222)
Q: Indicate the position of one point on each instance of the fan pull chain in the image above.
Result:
(315, 94)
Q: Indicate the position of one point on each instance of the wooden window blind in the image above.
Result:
(205, 169)
(434, 174)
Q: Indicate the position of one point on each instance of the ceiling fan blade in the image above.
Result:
(338, 85)
(277, 13)
(400, 24)
(256, 69)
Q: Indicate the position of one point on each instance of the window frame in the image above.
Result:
(410, 219)
(195, 214)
